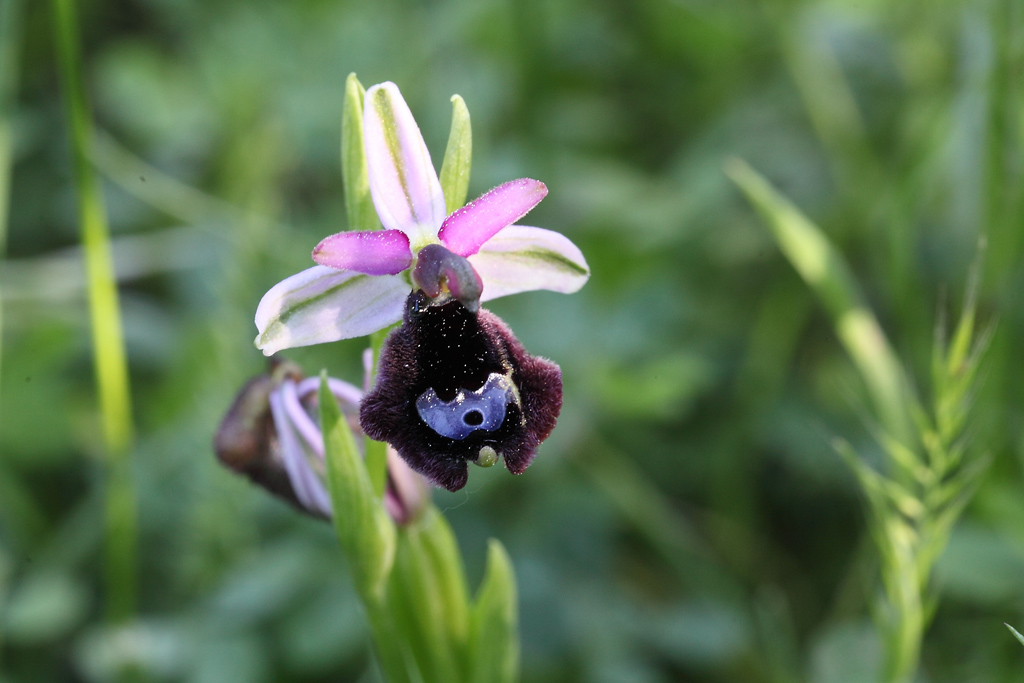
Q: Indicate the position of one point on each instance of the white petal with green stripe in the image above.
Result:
(523, 259)
(322, 304)
(403, 183)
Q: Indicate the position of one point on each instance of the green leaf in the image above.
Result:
(10, 50)
(393, 652)
(494, 644)
(105, 313)
(358, 203)
(420, 607)
(110, 359)
(365, 531)
(822, 267)
(458, 157)
(402, 626)
(443, 554)
(1015, 633)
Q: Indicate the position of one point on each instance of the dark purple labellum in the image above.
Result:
(455, 386)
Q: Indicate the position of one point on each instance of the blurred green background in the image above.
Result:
(688, 520)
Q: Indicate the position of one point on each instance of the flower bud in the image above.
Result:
(270, 436)
(246, 440)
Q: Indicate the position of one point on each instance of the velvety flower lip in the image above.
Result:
(362, 278)
(455, 386)
(269, 436)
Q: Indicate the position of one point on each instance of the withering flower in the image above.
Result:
(271, 436)
(454, 385)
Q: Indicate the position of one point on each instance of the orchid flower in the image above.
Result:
(364, 277)
(270, 435)
(454, 385)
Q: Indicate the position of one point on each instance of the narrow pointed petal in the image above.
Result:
(379, 252)
(404, 185)
(321, 305)
(523, 259)
(468, 228)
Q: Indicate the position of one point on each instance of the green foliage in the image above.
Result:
(494, 653)
(10, 43)
(109, 356)
(364, 530)
(108, 341)
(824, 270)
(430, 619)
(376, 451)
(914, 506)
(688, 518)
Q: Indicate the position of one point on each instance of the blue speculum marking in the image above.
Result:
(469, 411)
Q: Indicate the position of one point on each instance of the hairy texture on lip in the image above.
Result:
(447, 348)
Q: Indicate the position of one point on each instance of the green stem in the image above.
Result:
(108, 341)
(904, 641)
